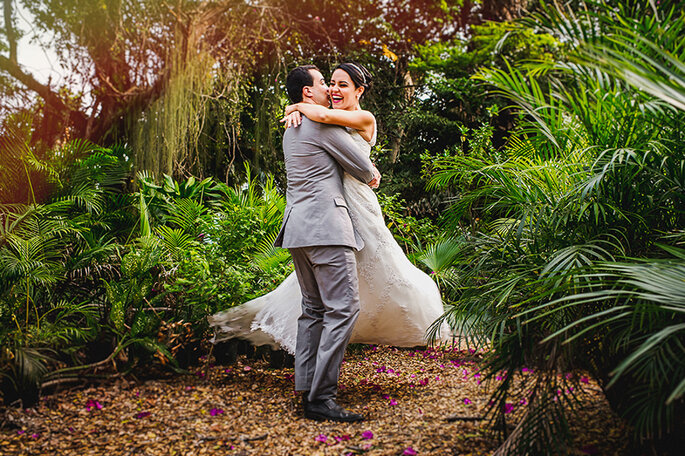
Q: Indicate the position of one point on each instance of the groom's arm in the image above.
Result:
(337, 142)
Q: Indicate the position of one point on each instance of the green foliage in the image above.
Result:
(98, 264)
(233, 261)
(410, 232)
(562, 269)
(448, 100)
(51, 255)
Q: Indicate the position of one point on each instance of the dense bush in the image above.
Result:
(573, 262)
(101, 275)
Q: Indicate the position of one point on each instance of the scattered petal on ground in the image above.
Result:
(237, 411)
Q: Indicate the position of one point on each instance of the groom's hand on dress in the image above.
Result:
(376, 181)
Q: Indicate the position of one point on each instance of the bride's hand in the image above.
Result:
(290, 109)
(293, 119)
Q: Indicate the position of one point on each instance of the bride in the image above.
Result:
(398, 302)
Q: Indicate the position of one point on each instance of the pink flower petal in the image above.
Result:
(366, 435)
(91, 404)
(409, 451)
(321, 438)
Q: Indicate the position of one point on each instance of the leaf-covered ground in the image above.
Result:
(249, 409)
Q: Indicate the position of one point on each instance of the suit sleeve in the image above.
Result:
(337, 142)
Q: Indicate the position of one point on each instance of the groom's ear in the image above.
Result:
(307, 92)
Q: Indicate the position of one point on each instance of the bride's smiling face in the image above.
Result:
(343, 93)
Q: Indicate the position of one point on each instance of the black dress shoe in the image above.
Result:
(329, 410)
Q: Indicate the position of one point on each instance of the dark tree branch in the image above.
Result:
(9, 30)
(57, 114)
(30, 82)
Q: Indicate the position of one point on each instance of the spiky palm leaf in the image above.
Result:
(176, 241)
(645, 317)
(608, 183)
(440, 258)
(268, 256)
(27, 368)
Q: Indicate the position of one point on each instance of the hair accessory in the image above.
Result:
(361, 73)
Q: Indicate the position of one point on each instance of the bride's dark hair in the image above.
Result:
(360, 76)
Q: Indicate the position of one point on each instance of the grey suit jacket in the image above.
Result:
(316, 212)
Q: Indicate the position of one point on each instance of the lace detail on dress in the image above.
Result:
(398, 301)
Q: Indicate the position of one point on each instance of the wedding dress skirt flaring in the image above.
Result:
(398, 302)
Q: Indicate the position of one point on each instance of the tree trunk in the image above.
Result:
(503, 10)
(408, 90)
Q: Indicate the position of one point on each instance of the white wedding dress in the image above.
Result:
(398, 301)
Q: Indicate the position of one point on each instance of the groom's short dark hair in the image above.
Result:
(297, 79)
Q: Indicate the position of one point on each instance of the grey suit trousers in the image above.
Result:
(330, 307)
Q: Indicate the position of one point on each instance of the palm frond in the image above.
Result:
(175, 240)
(268, 256)
(186, 214)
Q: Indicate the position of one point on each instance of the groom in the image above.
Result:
(318, 232)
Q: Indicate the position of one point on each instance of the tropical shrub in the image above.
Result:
(572, 264)
(100, 276)
(51, 254)
(447, 103)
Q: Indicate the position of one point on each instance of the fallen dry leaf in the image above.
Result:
(429, 403)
